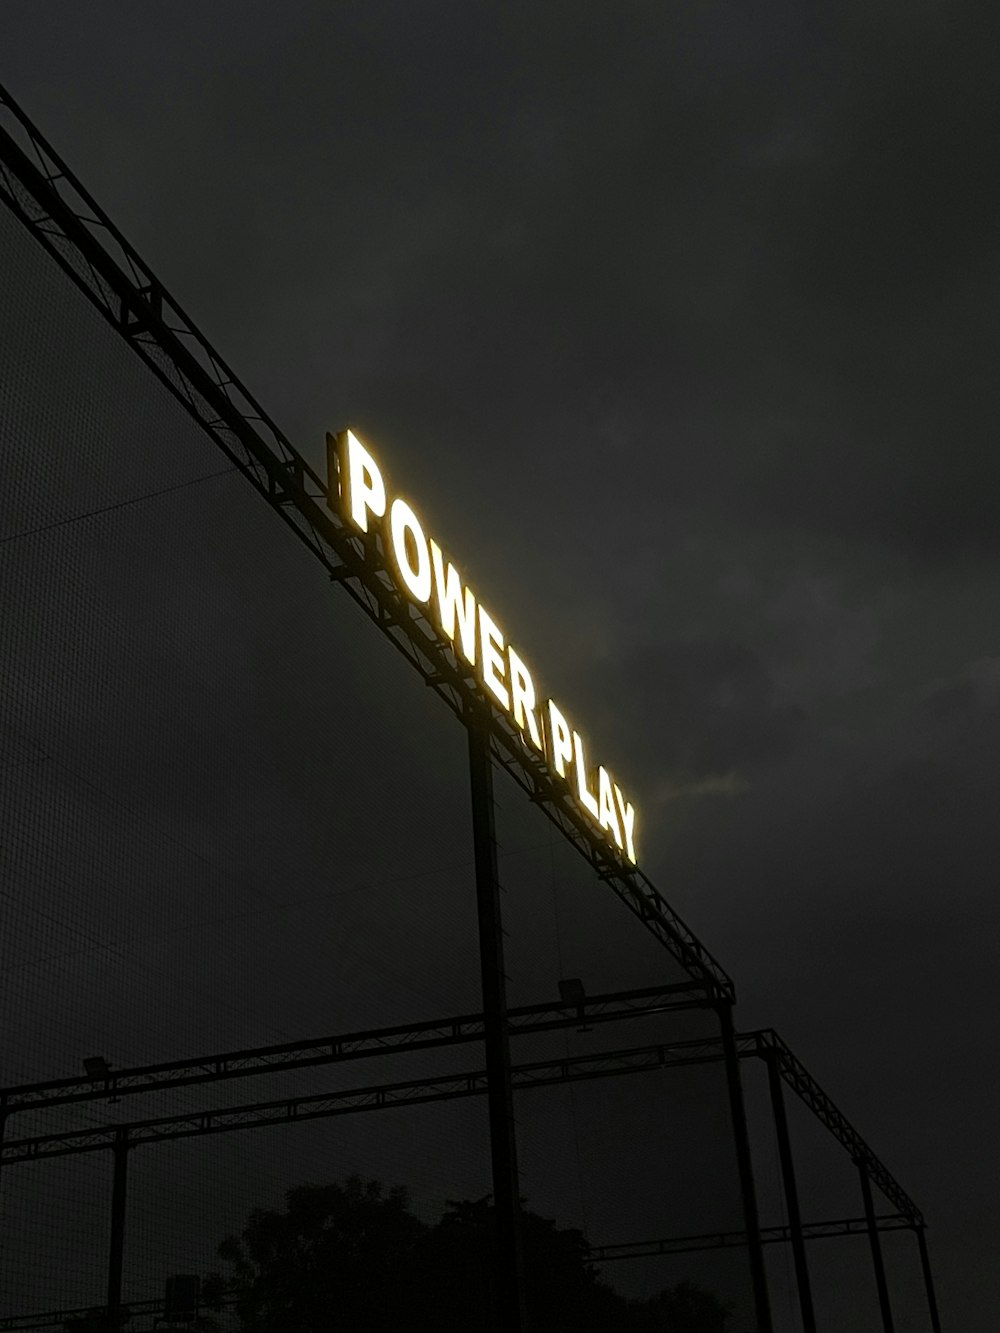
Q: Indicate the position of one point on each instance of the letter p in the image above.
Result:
(362, 490)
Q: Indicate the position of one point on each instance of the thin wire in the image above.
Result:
(120, 504)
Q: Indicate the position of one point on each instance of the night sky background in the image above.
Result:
(678, 324)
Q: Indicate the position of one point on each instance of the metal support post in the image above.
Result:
(873, 1240)
(741, 1138)
(791, 1192)
(119, 1190)
(3, 1130)
(500, 1098)
(925, 1264)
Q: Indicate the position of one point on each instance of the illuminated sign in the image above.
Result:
(424, 574)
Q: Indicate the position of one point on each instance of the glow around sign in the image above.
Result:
(428, 578)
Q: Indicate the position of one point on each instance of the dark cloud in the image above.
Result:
(697, 710)
(679, 327)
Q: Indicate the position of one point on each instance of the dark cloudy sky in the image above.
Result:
(679, 323)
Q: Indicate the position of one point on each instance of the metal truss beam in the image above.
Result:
(452, 1031)
(382, 1096)
(805, 1087)
(764, 1044)
(602, 1254)
(707, 1050)
(59, 213)
(721, 1240)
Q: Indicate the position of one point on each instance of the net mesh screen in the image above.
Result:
(232, 817)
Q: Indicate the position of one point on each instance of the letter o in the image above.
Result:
(417, 578)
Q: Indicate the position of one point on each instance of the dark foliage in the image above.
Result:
(353, 1256)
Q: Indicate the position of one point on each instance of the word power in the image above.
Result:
(424, 574)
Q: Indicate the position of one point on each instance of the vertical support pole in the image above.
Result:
(503, 1148)
(876, 1247)
(3, 1131)
(741, 1137)
(791, 1191)
(119, 1191)
(925, 1264)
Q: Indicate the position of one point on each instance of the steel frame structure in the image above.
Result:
(454, 1030)
(372, 1097)
(122, 1137)
(767, 1045)
(762, 1044)
(65, 219)
(461, 1029)
(60, 214)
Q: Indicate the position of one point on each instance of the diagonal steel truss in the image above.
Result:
(767, 1042)
(59, 213)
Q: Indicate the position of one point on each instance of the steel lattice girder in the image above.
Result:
(43, 193)
(451, 1031)
(768, 1045)
(380, 1096)
(765, 1044)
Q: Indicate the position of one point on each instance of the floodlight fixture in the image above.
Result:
(572, 992)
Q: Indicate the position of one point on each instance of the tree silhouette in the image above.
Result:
(341, 1253)
(351, 1256)
(562, 1287)
(681, 1309)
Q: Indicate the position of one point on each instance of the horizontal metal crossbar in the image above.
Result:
(55, 208)
(719, 1240)
(313, 1051)
(378, 1097)
(638, 1249)
(764, 1044)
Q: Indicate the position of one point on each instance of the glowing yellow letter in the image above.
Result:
(559, 739)
(587, 798)
(361, 484)
(416, 576)
(454, 599)
(522, 691)
(628, 823)
(491, 662)
(606, 806)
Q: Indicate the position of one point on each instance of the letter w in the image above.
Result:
(454, 601)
